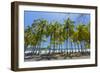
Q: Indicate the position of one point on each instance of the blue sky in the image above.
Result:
(30, 16)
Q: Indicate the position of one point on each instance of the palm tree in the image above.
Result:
(54, 34)
(69, 28)
(61, 36)
(49, 35)
(27, 37)
(83, 35)
(86, 37)
(76, 41)
(40, 28)
(54, 30)
(58, 33)
(30, 38)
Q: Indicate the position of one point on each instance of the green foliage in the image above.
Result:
(59, 33)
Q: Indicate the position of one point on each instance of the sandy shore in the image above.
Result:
(58, 58)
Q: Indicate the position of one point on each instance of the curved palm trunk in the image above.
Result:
(58, 48)
(66, 46)
(35, 47)
(85, 48)
(38, 49)
(68, 41)
(78, 48)
(74, 46)
(54, 44)
(81, 48)
(50, 46)
(71, 47)
(33, 50)
(61, 48)
(25, 47)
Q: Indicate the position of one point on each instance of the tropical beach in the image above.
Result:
(58, 55)
(56, 36)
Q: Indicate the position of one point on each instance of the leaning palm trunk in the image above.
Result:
(72, 48)
(85, 47)
(33, 50)
(75, 47)
(38, 49)
(58, 48)
(61, 48)
(50, 47)
(85, 50)
(78, 48)
(25, 48)
(81, 48)
(67, 46)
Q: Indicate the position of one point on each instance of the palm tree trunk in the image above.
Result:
(71, 47)
(81, 47)
(33, 50)
(36, 49)
(25, 47)
(84, 47)
(66, 45)
(50, 46)
(61, 47)
(74, 46)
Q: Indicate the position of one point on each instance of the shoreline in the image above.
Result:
(59, 58)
